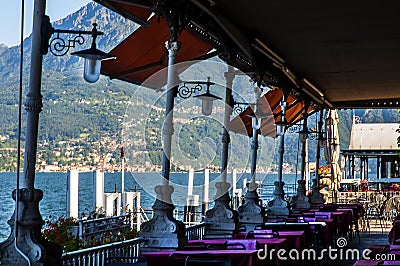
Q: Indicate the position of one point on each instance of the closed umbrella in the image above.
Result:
(332, 147)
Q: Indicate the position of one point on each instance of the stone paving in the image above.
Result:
(374, 236)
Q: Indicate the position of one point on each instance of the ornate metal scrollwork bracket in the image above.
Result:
(59, 46)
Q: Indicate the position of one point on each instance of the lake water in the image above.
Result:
(54, 189)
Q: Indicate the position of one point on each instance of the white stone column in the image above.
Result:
(98, 191)
(163, 231)
(222, 219)
(73, 193)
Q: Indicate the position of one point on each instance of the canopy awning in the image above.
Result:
(270, 105)
(342, 54)
(143, 53)
(385, 180)
(351, 181)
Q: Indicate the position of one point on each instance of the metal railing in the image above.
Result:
(96, 256)
(195, 232)
(101, 228)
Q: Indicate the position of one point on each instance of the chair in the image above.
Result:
(265, 233)
(249, 244)
(218, 236)
(195, 246)
(208, 259)
(374, 217)
(309, 219)
(126, 261)
(227, 245)
(175, 259)
(235, 245)
(394, 234)
(323, 215)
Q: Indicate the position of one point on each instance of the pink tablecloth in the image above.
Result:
(238, 257)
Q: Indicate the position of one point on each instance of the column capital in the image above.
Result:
(172, 47)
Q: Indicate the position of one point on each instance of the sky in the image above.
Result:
(10, 16)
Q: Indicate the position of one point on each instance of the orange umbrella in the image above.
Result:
(270, 106)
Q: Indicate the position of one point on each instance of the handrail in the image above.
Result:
(195, 232)
(96, 256)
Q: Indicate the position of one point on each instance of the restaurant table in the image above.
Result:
(296, 239)
(368, 263)
(328, 232)
(391, 262)
(250, 244)
(340, 218)
(377, 249)
(238, 257)
(395, 249)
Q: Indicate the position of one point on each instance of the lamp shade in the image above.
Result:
(207, 100)
(92, 64)
(280, 128)
(303, 135)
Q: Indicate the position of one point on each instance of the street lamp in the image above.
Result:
(206, 98)
(26, 243)
(59, 47)
(281, 125)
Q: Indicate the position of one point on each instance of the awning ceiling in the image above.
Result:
(270, 104)
(346, 50)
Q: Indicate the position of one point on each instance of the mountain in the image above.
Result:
(81, 123)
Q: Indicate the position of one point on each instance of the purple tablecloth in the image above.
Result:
(296, 239)
(366, 262)
(238, 257)
(250, 244)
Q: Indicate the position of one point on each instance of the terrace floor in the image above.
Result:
(373, 237)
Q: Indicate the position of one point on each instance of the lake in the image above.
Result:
(54, 189)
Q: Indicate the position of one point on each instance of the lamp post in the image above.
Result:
(206, 98)
(25, 242)
(278, 206)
